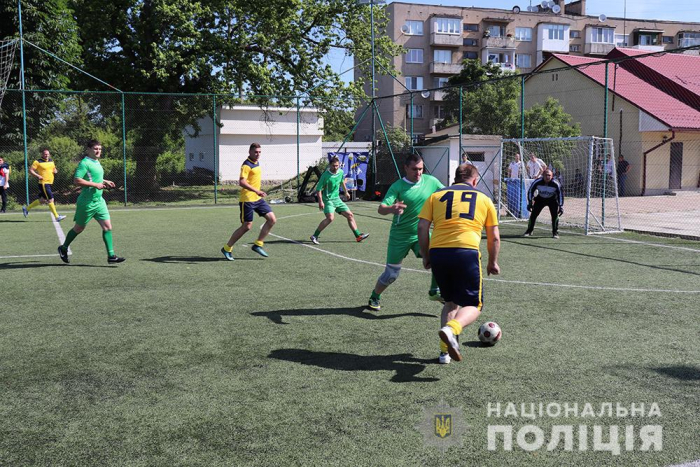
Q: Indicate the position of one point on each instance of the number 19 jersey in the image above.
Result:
(458, 213)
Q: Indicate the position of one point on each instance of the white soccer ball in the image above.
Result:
(489, 333)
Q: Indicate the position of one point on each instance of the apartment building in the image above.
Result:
(438, 38)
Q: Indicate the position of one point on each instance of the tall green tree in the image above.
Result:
(549, 120)
(48, 24)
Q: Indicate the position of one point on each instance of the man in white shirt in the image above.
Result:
(514, 167)
(535, 166)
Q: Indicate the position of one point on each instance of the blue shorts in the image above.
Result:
(457, 272)
(45, 191)
(249, 207)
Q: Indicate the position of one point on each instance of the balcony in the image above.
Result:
(446, 40)
(435, 121)
(498, 42)
(597, 48)
(445, 68)
(437, 96)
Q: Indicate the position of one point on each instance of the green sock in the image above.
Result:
(69, 238)
(317, 233)
(375, 295)
(356, 232)
(107, 237)
(433, 284)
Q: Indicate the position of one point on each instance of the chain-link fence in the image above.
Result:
(177, 148)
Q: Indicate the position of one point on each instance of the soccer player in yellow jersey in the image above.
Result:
(44, 169)
(458, 213)
(251, 202)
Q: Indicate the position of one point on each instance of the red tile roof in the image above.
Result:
(650, 99)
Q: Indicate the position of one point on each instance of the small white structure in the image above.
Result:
(442, 156)
(275, 128)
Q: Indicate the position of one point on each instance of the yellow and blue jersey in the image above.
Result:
(45, 169)
(251, 172)
(458, 213)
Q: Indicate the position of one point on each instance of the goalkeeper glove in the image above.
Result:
(561, 210)
(529, 207)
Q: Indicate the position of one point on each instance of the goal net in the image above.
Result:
(7, 54)
(585, 167)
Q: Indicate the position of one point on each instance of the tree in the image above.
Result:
(549, 120)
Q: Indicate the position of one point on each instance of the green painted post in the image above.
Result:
(124, 146)
(214, 128)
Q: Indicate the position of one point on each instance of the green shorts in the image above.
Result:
(399, 248)
(334, 205)
(84, 212)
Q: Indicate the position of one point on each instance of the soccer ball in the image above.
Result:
(489, 333)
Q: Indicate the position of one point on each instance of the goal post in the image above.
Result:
(7, 54)
(585, 167)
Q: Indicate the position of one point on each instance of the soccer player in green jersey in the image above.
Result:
(328, 189)
(404, 200)
(90, 177)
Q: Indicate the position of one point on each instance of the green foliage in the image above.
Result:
(337, 124)
(549, 120)
(169, 165)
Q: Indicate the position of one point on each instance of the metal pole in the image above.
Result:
(411, 119)
(214, 129)
(298, 148)
(605, 152)
(522, 110)
(374, 106)
(461, 123)
(24, 104)
(124, 146)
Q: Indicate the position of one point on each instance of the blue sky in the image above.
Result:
(674, 10)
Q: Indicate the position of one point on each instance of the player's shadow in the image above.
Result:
(681, 372)
(7, 221)
(405, 366)
(550, 248)
(357, 312)
(35, 265)
(191, 259)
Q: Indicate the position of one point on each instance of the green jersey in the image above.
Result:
(413, 195)
(91, 170)
(330, 184)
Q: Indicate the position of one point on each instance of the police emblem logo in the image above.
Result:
(443, 425)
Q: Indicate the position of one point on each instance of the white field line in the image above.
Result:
(544, 284)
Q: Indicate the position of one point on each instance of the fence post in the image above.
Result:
(298, 130)
(522, 110)
(124, 145)
(216, 151)
(461, 123)
(24, 106)
(605, 152)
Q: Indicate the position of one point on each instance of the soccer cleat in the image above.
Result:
(24, 211)
(227, 254)
(259, 250)
(60, 218)
(527, 234)
(361, 237)
(556, 235)
(444, 358)
(447, 335)
(435, 297)
(115, 259)
(314, 240)
(374, 304)
(63, 254)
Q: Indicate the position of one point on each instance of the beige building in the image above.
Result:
(438, 38)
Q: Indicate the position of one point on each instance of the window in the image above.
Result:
(622, 40)
(667, 39)
(499, 58)
(474, 157)
(574, 48)
(523, 60)
(602, 36)
(414, 56)
(442, 56)
(689, 39)
(496, 30)
(574, 34)
(414, 83)
(417, 111)
(555, 32)
(471, 27)
(448, 26)
(191, 156)
(523, 34)
(440, 82)
(471, 42)
(201, 156)
(471, 56)
(648, 39)
(439, 111)
(415, 28)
